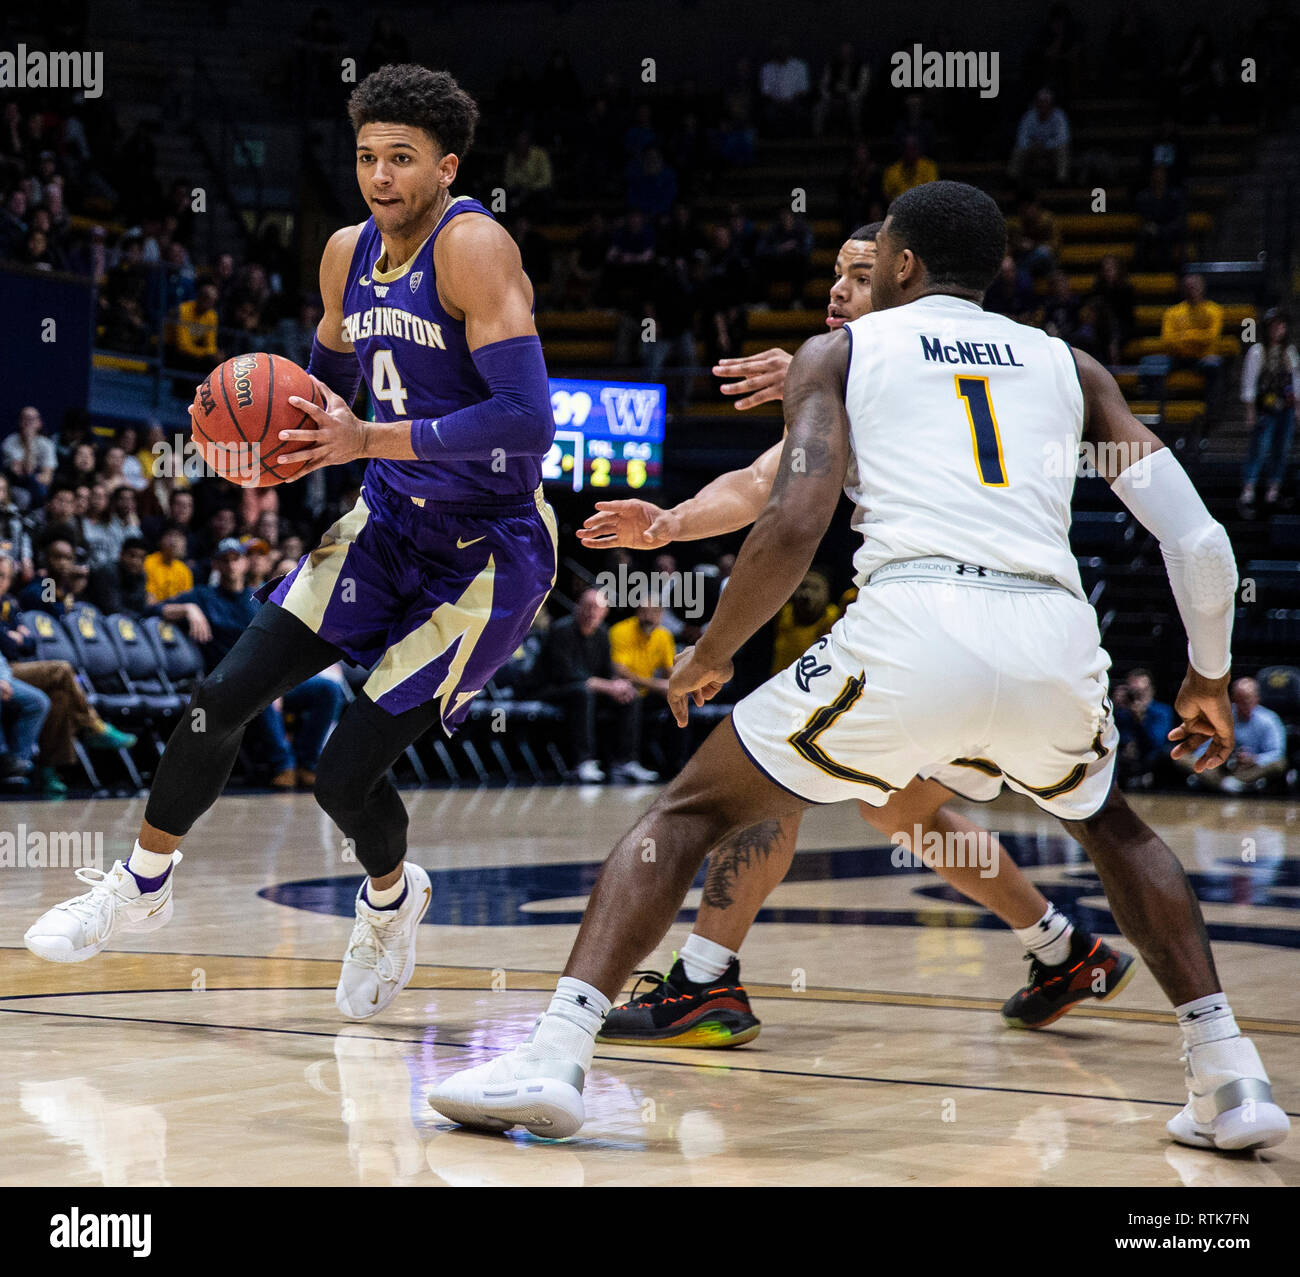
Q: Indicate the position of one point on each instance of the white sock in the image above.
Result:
(1049, 938)
(148, 864)
(1207, 1019)
(379, 899)
(569, 1027)
(703, 959)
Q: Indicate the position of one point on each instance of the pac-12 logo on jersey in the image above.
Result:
(629, 412)
(416, 277)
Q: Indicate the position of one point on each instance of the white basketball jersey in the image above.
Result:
(965, 428)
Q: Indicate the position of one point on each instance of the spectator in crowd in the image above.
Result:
(1042, 141)
(134, 473)
(29, 456)
(229, 608)
(725, 289)
(81, 465)
(801, 622)
(165, 570)
(1167, 150)
(671, 304)
(1011, 293)
(651, 184)
(13, 224)
(59, 510)
(194, 338)
(122, 520)
(1190, 332)
(912, 168)
(15, 539)
(1115, 295)
(23, 710)
(785, 255)
(1144, 725)
(527, 176)
(643, 652)
(1163, 211)
(70, 714)
(1033, 236)
(862, 190)
(577, 673)
(221, 523)
(1056, 57)
(784, 86)
(1259, 752)
(95, 529)
(121, 586)
(180, 514)
(1059, 314)
(60, 580)
(842, 91)
(293, 334)
(259, 554)
(1270, 388)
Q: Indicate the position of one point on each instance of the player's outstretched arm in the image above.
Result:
(1147, 478)
(730, 502)
(778, 551)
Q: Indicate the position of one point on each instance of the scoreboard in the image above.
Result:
(607, 434)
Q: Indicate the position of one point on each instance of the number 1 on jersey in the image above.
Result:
(974, 392)
(385, 384)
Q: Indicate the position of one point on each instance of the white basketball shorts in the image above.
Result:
(1003, 682)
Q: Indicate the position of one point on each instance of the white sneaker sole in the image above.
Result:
(1231, 1132)
(543, 1106)
(42, 946)
(407, 971)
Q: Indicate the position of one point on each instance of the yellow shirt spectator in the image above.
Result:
(901, 176)
(1192, 329)
(793, 639)
(196, 333)
(641, 655)
(164, 581)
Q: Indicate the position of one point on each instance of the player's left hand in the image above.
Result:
(695, 677)
(339, 436)
(1202, 705)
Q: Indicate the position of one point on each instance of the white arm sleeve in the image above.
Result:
(1197, 554)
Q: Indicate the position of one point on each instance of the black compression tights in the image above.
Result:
(271, 657)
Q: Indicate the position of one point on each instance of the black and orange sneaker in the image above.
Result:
(676, 1012)
(1092, 970)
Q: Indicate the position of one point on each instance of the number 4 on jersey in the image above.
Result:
(385, 384)
(974, 391)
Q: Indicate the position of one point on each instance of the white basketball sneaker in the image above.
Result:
(79, 928)
(1230, 1105)
(524, 1087)
(381, 953)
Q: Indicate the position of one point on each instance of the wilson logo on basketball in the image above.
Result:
(243, 369)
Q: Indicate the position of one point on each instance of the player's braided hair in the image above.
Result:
(403, 93)
(956, 230)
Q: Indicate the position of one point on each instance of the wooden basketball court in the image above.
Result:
(211, 1052)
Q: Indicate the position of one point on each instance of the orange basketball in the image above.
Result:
(239, 412)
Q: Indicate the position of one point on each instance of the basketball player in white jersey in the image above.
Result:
(700, 1002)
(970, 638)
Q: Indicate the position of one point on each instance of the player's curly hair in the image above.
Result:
(956, 230)
(403, 93)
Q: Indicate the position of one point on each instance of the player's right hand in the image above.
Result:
(762, 376)
(637, 524)
(1206, 715)
(694, 680)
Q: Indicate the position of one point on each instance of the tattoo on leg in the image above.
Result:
(728, 861)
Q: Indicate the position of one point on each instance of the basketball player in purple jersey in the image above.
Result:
(431, 580)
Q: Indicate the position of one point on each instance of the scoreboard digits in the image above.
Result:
(607, 434)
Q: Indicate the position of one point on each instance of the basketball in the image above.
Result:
(239, 411)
